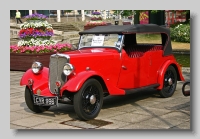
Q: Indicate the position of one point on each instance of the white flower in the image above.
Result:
(35, 42)
(35, 24)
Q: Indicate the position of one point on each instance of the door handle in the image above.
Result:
(124, 67)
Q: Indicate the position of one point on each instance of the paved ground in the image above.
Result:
(143, 110)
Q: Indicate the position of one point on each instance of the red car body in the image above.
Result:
(113, 70)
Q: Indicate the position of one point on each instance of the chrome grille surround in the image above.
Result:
(56, 64)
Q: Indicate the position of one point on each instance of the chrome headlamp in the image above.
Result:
(68, 69)
(37, 67)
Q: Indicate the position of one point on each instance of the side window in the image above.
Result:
(148, 38)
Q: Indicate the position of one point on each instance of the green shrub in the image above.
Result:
(177, 23)
(180, 33)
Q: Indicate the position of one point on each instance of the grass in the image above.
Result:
(148, 38)
(183, 59)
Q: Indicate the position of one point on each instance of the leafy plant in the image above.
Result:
(180, 33)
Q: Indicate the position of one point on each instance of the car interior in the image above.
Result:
(134, 49)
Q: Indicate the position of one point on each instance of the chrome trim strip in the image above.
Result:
(121, 47)
(79, 42)
(122, 42)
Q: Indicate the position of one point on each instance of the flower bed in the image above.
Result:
(35, 32)
(21, 58)
(35, 44)
(92, 26)
(40, 49)
(96, 20)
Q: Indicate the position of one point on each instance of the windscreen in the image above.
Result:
(101, 40)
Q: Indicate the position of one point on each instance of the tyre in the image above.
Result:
(30, 104)
(89, 100)
(186, 92)
(169, 83)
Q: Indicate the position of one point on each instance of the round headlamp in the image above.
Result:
(68, 69)
(37, 67)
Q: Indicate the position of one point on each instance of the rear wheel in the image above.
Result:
(30, 104)
(169, 83)
(88, 100)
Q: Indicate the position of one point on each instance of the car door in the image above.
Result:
(155, 62)
(133, 72)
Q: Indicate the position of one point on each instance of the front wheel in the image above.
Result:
(88, 100)
(169, 83)
(30, 104)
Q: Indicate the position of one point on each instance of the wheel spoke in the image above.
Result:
(171, 88)
(85, 103)
(90, 89)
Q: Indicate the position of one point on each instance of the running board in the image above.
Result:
(129, 91)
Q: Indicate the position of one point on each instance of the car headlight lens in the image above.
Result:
(37, 67)
(68, 69)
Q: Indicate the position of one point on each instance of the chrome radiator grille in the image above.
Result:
(57, 62)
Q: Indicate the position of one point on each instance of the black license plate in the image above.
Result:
(45, 101)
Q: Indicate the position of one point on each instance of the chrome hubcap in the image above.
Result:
(92, 99)
(170, 81)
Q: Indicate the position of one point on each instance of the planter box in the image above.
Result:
(89, 27)
(23, 61)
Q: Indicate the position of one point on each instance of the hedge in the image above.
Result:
(180, 33)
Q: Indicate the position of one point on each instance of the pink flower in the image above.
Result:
(40, 49)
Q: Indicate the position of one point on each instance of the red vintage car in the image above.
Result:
(109, 60)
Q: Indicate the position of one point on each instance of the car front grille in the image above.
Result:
(57, 62)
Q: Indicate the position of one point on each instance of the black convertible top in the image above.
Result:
(124, 29)
(134, 29)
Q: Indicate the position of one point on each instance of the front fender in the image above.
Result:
(40, 81)
(163, 69)
(76, 82)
